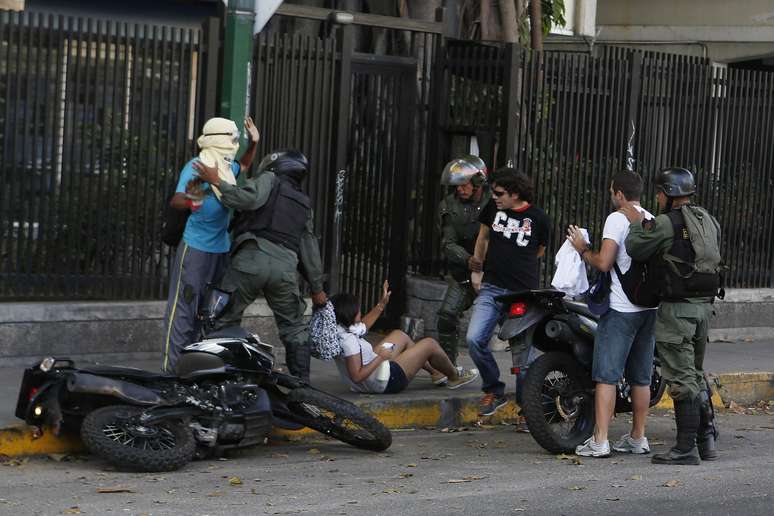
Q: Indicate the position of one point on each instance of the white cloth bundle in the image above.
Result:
(570, 276)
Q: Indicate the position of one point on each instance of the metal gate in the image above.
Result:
(374, 229)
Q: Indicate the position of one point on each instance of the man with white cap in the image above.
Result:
(203, 251)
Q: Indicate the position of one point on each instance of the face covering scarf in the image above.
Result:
(218, 145)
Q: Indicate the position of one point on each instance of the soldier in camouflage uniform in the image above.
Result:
(273, 238)
(682, 248)
(458, 220)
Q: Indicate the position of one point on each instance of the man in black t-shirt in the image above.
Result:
(513, 235)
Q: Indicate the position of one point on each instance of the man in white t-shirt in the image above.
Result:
(625, 338)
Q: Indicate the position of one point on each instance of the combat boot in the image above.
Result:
(684, 452)
(708, 432)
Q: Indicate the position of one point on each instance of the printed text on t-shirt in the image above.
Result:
(508, 226)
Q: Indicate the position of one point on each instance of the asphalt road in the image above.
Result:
(478, 471)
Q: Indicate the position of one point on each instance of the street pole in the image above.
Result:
(237, 58)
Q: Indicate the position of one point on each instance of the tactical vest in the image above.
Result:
(685, 274)
(281, 220)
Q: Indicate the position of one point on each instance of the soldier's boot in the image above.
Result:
(448, 337)
(684, 452)
(298, 357)
(708, 432)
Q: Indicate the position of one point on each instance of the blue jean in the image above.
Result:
(486, 314)
(624, 345)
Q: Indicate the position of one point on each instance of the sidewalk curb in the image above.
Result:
(398, 413)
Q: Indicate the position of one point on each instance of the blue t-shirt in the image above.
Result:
(207, 227)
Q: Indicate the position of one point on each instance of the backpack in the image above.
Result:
(173, 223)
(701, 276)
(323, 334)
(641, 287)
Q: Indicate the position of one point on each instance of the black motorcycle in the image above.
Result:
(225, 395)
(558, 393)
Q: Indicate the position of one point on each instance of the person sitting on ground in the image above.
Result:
(389, 366)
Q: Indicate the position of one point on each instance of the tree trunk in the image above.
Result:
(490, 24)
(536, 25)
(509, 16)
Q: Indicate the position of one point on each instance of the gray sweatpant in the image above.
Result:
(191, 271)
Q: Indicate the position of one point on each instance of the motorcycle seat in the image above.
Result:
(580, 309)
(125, 372)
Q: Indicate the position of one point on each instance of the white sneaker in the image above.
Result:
(591, 448)
(628, 445)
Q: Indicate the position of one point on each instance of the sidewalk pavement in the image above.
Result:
(743, 371)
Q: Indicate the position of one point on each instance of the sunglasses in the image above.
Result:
(499, 193)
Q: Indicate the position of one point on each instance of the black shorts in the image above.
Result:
(397, 381)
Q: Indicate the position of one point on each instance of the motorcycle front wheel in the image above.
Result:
(338, 418)
(558, 403)
(115, 434)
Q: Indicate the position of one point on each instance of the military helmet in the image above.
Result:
(284, 161)
(460, 171)
(676, 182)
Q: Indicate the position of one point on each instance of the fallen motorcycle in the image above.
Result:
(225, 395)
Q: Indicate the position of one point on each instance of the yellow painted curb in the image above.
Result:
(398, 413)
(21, 440)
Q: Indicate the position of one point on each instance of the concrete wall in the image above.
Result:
(121, 330)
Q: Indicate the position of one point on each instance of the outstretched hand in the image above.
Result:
(251, 130)
(386, 293)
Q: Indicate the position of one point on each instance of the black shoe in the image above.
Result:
(706, 447)
(678, 458)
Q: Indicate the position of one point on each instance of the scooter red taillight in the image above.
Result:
(517, 309)
(32, 393)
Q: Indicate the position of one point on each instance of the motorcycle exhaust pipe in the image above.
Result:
(559, 331)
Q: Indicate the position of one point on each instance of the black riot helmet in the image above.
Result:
(287, 162)
(676, 182)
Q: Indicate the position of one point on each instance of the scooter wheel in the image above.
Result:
(558, 404)
(338, 418)
(115, 434)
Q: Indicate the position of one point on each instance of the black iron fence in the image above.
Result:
(571, 120)
(96, 119)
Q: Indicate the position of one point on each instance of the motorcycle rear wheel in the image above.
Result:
(558, 405)
(114, 434)
(338, 418)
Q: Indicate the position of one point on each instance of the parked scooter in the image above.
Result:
(558, 393)
(225, 395)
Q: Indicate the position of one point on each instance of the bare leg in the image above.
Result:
(604, 404)
(402, 343)
(640, 405)
(427, 349)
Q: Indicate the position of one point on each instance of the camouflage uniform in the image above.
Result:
(459, 225)
(681, 327)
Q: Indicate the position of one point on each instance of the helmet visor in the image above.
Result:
(458, 172)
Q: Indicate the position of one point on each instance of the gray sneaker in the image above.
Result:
(628, 445)
(591, 448)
